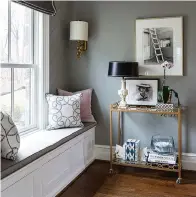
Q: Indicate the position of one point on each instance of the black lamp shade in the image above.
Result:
(123, 69)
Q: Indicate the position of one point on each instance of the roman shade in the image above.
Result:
(46, 7)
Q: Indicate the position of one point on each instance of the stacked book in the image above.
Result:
(154, 157)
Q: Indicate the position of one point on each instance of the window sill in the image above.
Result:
(28, 131)
(37, 144)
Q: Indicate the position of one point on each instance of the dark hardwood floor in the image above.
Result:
(130, 182)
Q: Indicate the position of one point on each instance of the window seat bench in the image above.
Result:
(48, 157)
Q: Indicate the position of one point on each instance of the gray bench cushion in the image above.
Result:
(38, 144)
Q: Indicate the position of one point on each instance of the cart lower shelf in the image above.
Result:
(155, 166)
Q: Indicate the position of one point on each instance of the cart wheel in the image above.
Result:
(111, 171)
(178, 181)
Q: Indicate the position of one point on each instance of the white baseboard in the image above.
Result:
(102, 152)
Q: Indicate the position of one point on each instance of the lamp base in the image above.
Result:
(123, 92)
(122, 107)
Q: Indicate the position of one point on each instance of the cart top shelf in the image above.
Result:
(150, 110)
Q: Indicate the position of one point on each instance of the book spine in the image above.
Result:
(161, 157)
(161, 161)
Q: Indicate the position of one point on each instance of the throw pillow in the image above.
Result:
(64, 111)
(85, 105)
(10, 139)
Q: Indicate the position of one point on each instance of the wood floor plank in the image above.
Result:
(124, 185)
(95, 182)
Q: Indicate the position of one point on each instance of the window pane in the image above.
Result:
(23, 97)
(4, 31)
(21, 34)
(5, 90)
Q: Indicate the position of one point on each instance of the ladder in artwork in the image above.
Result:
(156, 45)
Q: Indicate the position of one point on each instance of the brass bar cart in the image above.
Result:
(140, 164)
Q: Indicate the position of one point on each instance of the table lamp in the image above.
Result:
(123, 69)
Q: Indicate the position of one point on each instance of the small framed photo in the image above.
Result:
(142, 91)
(159, 40)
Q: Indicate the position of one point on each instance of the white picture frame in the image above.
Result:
(169, 32)
(142, 91)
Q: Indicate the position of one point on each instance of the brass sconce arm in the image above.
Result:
(81, 47)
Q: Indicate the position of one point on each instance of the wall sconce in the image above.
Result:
(79, 33)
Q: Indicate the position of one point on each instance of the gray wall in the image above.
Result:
(59, 33)
(112, 37)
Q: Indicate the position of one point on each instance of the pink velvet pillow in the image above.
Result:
(85, 103)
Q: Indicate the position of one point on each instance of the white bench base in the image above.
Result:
(51, 173)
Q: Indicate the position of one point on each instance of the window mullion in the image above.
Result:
(37, 75)
(9, 58)
(12, 92)
(32, 96)
(33, 37)
(13, 65)
(9, 31)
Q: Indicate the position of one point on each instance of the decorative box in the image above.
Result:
(164, 106)
(132, 149)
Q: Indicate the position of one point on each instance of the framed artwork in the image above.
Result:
(142, 91)
(157, 41)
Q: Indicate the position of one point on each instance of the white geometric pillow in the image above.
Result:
(64, 111)
(10, 139)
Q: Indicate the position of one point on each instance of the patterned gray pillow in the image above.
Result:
(10, 139)
(64, 111)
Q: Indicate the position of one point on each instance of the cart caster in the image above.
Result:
(111, 172)
(179, 181)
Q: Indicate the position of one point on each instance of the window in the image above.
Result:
(22, 64)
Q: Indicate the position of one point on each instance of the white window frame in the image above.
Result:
(41, 69)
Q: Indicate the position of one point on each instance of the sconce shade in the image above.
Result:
(79, 30)
(123, 69)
